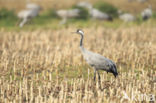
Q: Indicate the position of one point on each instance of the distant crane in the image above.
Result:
(31, 11)
(85, 5)
(97, 61)
(33, 6)
(147, 13)
(66, 14)
(142, 1)
(95, 13)
(126, 17)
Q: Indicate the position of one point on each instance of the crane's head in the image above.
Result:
(79, 31)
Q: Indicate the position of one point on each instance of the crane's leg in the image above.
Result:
(18, 22)
(94, 74)
(99, 78)
(64, 20)
(23, 22)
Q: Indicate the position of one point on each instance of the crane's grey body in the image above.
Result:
(95, 13)
(31, 11)
(147, 13)
(97, 61)
(66, 14)
(127, 17)
(85, 5)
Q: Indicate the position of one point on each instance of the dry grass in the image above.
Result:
(47, 67)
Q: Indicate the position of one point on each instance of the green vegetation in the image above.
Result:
(7, 14)
(84, 15)
(49, 19)
(50, 13)
(45, 17)
(154, 15)
(39, 23)
(7, 18)
(108, 8)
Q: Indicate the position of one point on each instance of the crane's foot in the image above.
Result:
(99, 78)
(94, 75)
(94, 78)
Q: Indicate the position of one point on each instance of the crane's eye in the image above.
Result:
(78, 30)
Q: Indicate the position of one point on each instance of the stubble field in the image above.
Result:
(46, 66)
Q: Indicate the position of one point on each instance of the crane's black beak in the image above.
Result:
(74, 32)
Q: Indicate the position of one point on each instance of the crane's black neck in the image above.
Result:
(81, 41)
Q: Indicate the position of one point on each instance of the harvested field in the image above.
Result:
(46, 66)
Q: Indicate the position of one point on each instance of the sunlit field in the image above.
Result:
(46, 66)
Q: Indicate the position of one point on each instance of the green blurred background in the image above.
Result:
(48, 18)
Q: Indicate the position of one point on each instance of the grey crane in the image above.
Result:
(142, 1)
(33, 6)
(95, 13)
(31, 11)
(147, 13)
(85, 5)
(127, 17)
(97, 61)
(66, 14)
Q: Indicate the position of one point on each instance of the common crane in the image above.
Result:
(33, 6)
(142, 1)
(85, 5)
(97, 61)
(31, 11)
(95, 13)
(147, 13)
(127, 17)
(66, 14)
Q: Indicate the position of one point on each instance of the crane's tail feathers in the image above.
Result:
(114, 71)
(115, 74)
